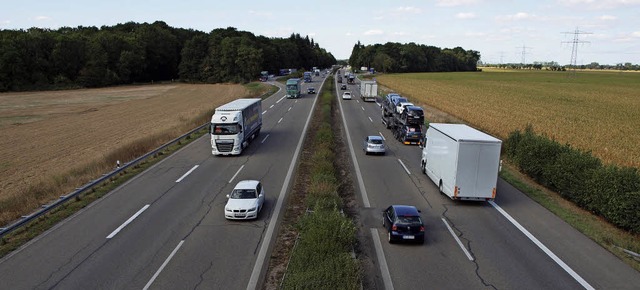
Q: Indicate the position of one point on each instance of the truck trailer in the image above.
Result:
(307, 77)
(462, 161)
(368, 90)
(234, 125)
(293, 88)
(406, 126)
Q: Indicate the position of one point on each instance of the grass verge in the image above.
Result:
(594, 227)
(322, 256)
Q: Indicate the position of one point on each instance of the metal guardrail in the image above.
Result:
(63, 199)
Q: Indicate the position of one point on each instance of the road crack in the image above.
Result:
(467, 243)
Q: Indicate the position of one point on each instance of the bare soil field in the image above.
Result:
(54, 141)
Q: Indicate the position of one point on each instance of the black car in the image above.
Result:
(403, 223)
(343, 87)
(339, 79)
(311, 90)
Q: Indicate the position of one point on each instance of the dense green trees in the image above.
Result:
(140, 52)
(394, 57)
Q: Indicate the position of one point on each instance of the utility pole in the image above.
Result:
(524, 53)
(574, 49)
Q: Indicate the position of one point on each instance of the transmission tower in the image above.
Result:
(524, 53)
(574, 47)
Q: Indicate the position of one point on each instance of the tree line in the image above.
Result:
(37, 58)
(393, 57)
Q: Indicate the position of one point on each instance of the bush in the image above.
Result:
(609, 191)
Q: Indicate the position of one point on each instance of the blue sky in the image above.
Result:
(498, 29)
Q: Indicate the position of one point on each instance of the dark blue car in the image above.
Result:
(403, 223)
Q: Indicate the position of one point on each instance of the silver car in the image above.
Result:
(373, 144)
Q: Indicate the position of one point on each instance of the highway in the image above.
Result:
(165, 228)
(468, 245)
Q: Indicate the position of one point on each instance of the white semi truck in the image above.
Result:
(368, 90)
(234, 125)
(462, 161)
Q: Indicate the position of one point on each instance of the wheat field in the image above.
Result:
(597, 111)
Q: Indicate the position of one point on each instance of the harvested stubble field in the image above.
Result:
(55, 141)
(594, 111)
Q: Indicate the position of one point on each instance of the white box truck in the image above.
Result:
(234, 125)
(462, 161)
(368, 90)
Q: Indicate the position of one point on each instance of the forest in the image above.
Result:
(43, 59)
(393, 57)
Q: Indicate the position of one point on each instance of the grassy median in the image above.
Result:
(322, 256)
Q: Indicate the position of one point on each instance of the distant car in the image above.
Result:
(397, 100)
(373, 144)
(401, 106)
(346, 95)
(339, 79)
(343, 87)
(311, 90)
(245, 201)
(403, 223)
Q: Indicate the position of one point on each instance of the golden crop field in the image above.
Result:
(597, 111)
(59, 140)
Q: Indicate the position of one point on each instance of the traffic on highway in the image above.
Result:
(202, 219)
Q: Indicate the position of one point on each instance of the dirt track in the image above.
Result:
(48, 134)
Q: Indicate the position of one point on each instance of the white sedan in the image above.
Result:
(245, 201)
(346, 96)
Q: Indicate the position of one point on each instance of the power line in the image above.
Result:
(574, 48)
(524, 53)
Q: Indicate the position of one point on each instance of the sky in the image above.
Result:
(503, 31)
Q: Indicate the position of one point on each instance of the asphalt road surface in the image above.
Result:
(165, 228)
(468, 245)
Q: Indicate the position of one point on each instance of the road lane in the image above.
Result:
(189, 213)
(503, 257)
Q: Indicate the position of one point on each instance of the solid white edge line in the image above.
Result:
(163, 265)
(457, 240)
(363, 191)
(257, 267)
(542, 247)
(280, 120)
(234, 176)
(383, 138)
(370, 119)
(186, 174)
(265, 138)
(405, 167)
(384, 268)
(134, 216)
(265, 111)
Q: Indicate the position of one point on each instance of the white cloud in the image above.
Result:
(42, 18)
(475, 34)
(607, 17)
(599, 4)
(400, 33)
(635, 34)
(5, 22)
(451, 3)
(516, 17)
(261, 13)
(374, 32)
(409, 9)
(348, 34)
(466, 15)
